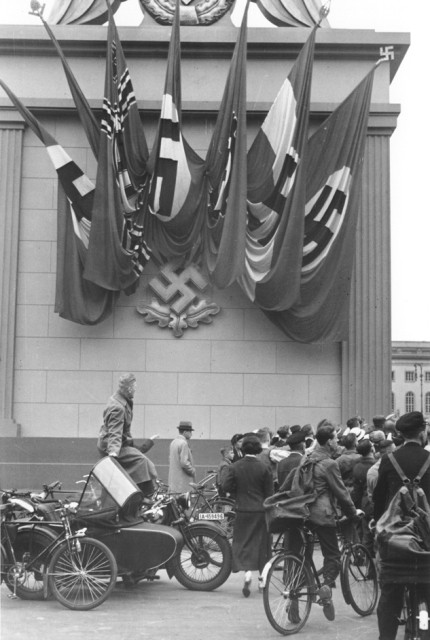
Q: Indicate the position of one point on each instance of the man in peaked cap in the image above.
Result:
(410, 456)
(181, 464)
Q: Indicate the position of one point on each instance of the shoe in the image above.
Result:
(293, 612)
(246, 590)
(324, 594)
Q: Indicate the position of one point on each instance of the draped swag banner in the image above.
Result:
(280, 219)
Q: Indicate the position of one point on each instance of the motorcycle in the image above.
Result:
(158, 536)
(204, 562)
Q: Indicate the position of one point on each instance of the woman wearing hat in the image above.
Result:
(250, 482)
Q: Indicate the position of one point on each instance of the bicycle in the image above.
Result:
(81, 571)
(415, 615)
(291, 582)
(207, 504)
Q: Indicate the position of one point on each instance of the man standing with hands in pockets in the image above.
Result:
(181, 464)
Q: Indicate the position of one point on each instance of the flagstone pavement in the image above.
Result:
(164, 610)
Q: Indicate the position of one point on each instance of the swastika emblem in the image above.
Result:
(172, 285)
(386, 53)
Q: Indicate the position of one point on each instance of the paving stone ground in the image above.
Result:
(164, 610)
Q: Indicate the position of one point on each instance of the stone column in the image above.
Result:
(11, 138)
(366, 357)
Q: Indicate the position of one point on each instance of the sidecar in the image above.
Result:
(109, 508)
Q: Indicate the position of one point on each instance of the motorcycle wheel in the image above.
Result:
(204, 563)
(82, 573)
(27, 584)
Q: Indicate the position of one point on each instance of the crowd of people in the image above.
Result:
(351, 474)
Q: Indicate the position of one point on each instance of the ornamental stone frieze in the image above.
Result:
(283, 13)
(178, 305)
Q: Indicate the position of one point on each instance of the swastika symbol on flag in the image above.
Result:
(173, 282)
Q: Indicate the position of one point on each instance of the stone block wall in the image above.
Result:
(238, 373)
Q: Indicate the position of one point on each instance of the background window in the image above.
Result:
(410, 376)
(410, 402)
(427, 402)
(393, 376)
(427, 378)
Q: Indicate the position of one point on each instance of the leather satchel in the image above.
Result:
(403, 530)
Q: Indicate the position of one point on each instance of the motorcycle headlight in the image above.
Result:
(184, 500)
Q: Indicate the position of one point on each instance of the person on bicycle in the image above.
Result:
(411, 457)
(331, 493)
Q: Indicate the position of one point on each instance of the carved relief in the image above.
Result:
(192, 12)
(180, 307)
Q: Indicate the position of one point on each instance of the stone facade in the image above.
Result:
(240, 372)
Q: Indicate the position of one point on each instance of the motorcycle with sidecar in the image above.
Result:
(197, 554)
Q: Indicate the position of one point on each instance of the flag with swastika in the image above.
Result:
(333, 164)
(117, 250)
(76, 299)
(224, 231)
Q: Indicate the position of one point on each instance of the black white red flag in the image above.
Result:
(276, 192)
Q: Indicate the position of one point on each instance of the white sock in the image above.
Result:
(248, 576)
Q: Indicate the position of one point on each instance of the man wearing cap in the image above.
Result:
(410, 456)
(115, 439)
(181, 464)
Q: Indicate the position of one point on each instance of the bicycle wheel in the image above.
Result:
(28, 583)
(359, 580)
(82, 573)
(205, 564)
(288, 594)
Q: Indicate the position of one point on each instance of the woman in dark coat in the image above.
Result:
(250, 482)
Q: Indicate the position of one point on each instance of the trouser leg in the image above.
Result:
(389, 610)
(330, 551)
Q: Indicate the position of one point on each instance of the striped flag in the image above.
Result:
(276, 192)
(225, 228)
(86, 116)
(76, 299)
(177, 187)
(173, 174)
(334, 161)
(117, 251)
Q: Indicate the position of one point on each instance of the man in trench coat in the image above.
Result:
(181, 464)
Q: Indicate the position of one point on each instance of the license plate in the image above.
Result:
(211, 516)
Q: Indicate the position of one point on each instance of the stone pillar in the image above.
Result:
(11, 138)
(366, 357)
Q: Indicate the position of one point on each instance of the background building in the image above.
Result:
(410, 377)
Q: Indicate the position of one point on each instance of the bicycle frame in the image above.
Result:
(66, 535)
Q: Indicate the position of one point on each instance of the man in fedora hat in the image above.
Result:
(181, 464)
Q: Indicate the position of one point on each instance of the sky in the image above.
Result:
(410, 211)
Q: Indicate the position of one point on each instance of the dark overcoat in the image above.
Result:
(250, 482)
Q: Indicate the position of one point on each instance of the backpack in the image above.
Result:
(290, 508)
(403, 530)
